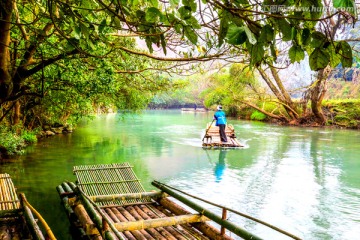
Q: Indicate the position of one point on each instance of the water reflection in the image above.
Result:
(220, 165)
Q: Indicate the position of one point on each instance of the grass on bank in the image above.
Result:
(13, 140)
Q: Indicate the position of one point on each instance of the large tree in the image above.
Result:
(38, 34)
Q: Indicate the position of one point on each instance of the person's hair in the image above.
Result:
(219, 107)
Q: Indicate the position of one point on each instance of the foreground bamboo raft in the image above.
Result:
(109, 202)
(212, 137)
(16, 214)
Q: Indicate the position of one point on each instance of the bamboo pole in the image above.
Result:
(85, 220)
(205, 228)
(138, 233)
(88, 204)
(137, 217)
(32, 225)
(49, 232)
(177, 231)
(65, 200)
(152, 231)
(126, 196)
(186, 231)
(228, 225)
(121, 218)
(154, 223)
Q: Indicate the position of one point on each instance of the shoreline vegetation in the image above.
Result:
(341, 114)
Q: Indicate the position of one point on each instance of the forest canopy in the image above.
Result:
(63, 59)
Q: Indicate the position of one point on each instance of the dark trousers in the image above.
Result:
(222, 132)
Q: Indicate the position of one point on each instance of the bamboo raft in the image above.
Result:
(109, 202)
(16, 215)
(212, 137)
(194, 110)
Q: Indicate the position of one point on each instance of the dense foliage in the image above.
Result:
(62, 60)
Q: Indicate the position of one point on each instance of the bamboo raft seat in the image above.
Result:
(212, 137)
(108, 202)
(16, 218)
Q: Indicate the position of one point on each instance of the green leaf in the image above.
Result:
(250, 35)
(193, 23)
(163, 43)
(190, 34)
(273, 51)
(135, 2)
(318, 39)
(236, 35)
(77, 32)
(152, 14)
(293, 33)
(102, 26)
(185, 12)
(315, 7)
(267, 34)
(149, 44)
(224, 26)
(239, 2)
(296, 54)
(190, 3)
(154, 3)
(140, 14)
(344, 49)
(174, 3)
(257, 54)
(335, 59)
(285, 29)
(319, 59)
(117, 22)
(347, 4)
(305, 36)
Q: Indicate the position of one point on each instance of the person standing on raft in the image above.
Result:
(220, 118)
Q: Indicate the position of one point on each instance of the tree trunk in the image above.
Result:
(317, 95)
(6, 8)
(282, 95)
(16, 116)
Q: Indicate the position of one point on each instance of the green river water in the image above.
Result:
(303, 180)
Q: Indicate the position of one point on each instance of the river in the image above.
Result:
(303, 180)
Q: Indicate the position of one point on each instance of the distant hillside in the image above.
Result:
(340, 89)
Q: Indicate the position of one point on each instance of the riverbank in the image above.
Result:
(342, 114)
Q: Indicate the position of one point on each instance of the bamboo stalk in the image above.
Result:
(127, 196)
(32, 225)
(185, 230)
(137, 217)
(98, 221)
(154, 223)
(167, 231)
(129, 218)
(121, 218)
(99, 168)
(65, 200)
(85, 220)
(152, 231)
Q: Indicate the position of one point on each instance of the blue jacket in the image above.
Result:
(220, 117)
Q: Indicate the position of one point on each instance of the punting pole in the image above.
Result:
(208, 129)
(225, 223)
